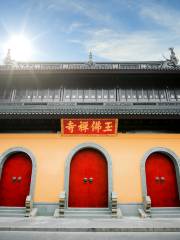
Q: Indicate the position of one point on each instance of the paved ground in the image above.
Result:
(51, 224)
(87, 236)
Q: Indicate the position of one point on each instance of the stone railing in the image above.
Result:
(62, 203)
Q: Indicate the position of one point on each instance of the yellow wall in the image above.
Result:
(126, 151)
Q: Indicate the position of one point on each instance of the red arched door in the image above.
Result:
(88, 182)
(15, 180)
(161, 181)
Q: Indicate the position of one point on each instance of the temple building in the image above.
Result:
(90, 139)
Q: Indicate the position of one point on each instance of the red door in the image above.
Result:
(15, 180)
(88, 182)
(161, 181)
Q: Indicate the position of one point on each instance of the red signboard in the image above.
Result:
(89, 126)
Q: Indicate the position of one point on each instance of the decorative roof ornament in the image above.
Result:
(90, 60)
(173, 60)
(8, 60)
(173, 57)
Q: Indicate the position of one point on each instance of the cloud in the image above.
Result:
(129, 46)
(144, 44)
(82, 7)
(77, 27)
(164, 16)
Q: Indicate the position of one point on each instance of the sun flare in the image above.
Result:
(20, 46)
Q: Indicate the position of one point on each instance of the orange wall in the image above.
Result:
(126, 151)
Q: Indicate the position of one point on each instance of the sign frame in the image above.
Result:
(89, 134)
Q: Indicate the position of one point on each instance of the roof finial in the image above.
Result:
(8, 59)
(173, 57)
(90, 58)
(172, 61)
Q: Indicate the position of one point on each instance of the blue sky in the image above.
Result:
(114, 30)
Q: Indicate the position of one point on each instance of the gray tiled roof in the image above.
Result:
(110, 110)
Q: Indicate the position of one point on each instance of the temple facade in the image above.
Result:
(90, 139)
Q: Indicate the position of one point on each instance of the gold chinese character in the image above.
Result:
(83, 126)
(108, 127)
(96, 126)
(70, 126)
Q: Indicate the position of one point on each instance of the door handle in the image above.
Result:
(19, 179)
(90, 180)
(13, 179)
(157, 179)
(162, 179)
(85, 180)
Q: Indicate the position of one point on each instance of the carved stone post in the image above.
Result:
(147, 205)
(62, 203)
(114, 204)
(28, 206)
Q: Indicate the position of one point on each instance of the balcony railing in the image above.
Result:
(43, 66)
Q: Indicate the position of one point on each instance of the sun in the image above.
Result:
(20, 46)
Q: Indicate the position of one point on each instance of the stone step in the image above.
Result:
(166, 215)
(12, 208)
(10, 214)
(165, 212)
(87, 209)
(87, 215)
(165, 208)
(12, 211)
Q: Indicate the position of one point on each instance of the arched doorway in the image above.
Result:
(15, 179)
(105, 158)
(88, 181)
(161, 180)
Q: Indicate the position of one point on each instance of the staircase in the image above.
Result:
(12, 211)
(165, 212)
(86, 213)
